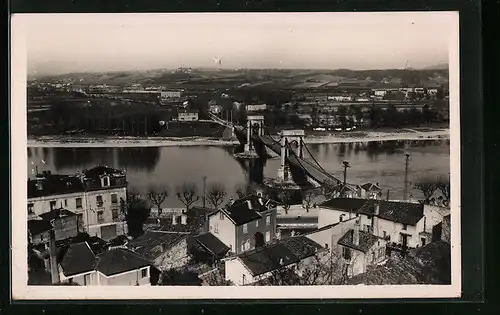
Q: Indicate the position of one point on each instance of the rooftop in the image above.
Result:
(39, 226)
(119, 260)
(371, 187)
(366, 241)
(47, 184)
(247, 209)
(56, 214)
(77, 259)
(278, 254)
(145, 245)
(401, 212)
(211, 243)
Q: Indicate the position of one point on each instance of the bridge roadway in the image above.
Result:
(312, 170)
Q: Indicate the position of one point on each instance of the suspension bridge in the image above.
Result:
(290, 147)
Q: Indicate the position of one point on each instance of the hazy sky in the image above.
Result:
(59, 43)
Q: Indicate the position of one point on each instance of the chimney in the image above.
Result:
(54, 268)
(355, 234)
(174, 219)
(183, 219)
(281, 261)
(249, 203)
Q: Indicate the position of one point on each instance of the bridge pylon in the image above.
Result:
(289, 138)
(254, 127)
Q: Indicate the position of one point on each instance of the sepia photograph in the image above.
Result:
(290, 155)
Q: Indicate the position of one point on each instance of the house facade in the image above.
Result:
(359, 249)
(64, 222)
(245, 224)
(117, 266)
(95, 196)
(398, 222)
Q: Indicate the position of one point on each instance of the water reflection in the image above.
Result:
(381, 162)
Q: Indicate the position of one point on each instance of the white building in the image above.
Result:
(398, 222)
(187, 115)
(118, 266)
(170, 94)
(256, 107)
(96, 197)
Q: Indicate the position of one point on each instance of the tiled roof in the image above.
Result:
(56, 214)
(56, 184)
(401, 212)
(119, 260)
(145, 244)
(247, 209)
(39, 226)
(278, 254)
(366, 241)
(78, 258)
(212, 244)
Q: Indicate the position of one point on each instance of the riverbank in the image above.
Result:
(94, 142)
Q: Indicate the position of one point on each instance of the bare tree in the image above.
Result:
(187, 194)
(427, 187)
(216, 194)
(157, 195)
(444, 187)
(285, 197)
(244, 190)
(307, 200)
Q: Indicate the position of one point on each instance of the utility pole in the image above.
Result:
(346, 165)
(204, 190)
(405, 194)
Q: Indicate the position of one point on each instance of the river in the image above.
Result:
(376, 162)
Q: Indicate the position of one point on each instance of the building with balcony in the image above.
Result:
(96, 196)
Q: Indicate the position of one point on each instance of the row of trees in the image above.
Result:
(429, 186)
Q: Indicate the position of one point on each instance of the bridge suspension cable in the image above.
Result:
(312, 156)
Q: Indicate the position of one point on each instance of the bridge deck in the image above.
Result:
(311, 169)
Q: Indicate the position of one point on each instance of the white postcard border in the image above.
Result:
(19, 275)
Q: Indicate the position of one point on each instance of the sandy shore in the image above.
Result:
(92, 142)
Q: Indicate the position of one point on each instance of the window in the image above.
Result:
(52, 205)
(100, 216)
(99, 201)
(114, 212)
(70, 280)
(341, 217)
(367, 228)
(405, 227)
(30, 208)
(114, 198)
(221, 216)
(65, 202)
(245, 228)
(257, 223)
(78, 203)
(243, 280)
(268, 220)
(86, 279)
(41, 237)
(384, 234)
(105, 181)
(216, 229)
(144, 273)
(268, 236)
(346, 253)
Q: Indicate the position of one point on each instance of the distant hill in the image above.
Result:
(441, 66)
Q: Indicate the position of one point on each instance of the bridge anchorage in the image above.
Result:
(291, 143)
(254, 127)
